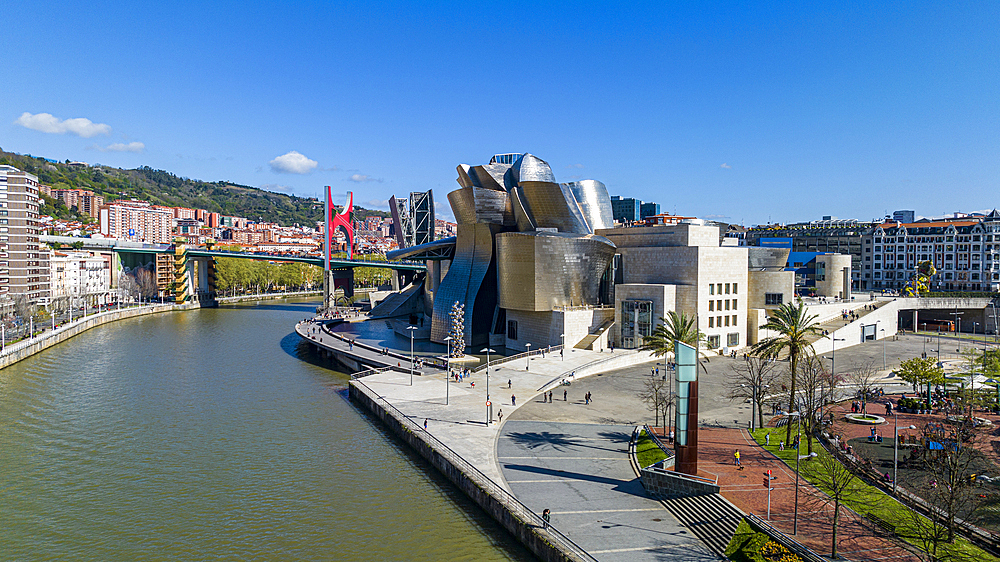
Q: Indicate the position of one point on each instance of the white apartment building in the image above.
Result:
(965, 252)
(137, 221)
(24, 267)
(77, 274)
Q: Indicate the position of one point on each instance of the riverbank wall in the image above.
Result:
(266, 296)
(526, 526)
(26, 348)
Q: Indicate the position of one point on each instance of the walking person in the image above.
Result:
(564, 395)
(546, 516)
(513, 400)
(767, 439)
(425, 424)
(736, 457)
(508, 383)
(499, 416)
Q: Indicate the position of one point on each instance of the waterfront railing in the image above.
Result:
(514, 505)
(50, 333)
(509, 358)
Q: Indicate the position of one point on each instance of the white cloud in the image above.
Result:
(362, 178)
(726, 166)
(121, 147)
(575, 166)
(293, 163)
(48, 123)
(715, 217)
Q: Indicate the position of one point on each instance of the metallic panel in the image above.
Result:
(467, 282)
(541, 270)
(464, 178)
(595, 203)
(769, 259)
(532, 168)
(479, 205)
(551, 205)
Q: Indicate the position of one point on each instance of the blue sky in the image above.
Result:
(741, 112)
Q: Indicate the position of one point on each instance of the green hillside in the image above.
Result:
(164, 188)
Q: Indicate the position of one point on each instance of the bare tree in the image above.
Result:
(654, 394)
(146, 281)
(128, 286)
(815, 384)
(864, 377)
(952, 470)
(835, 483)
(750, 380)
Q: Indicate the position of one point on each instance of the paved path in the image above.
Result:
(582, 473)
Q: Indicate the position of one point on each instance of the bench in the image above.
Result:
(880, 525)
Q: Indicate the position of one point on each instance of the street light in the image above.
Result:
(562, 352)
(411, 329)
(527, 356)
(895, 448)
(883, 347)
(487, 351)
(753, 398)
(798, 457)
(447, 383)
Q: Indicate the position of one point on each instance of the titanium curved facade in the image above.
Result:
(538, 271)
(594, 201)
(525, 242)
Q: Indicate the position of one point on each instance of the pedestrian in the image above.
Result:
(767, 439)
(508, 383)
(564, 395)
(736, 457)
(560, 354)
(425, 424)
(550, 397)
(545, 518)
(612, 346)
(513, 400)
(499, 416)
(781, 445)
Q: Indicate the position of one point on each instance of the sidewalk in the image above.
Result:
(745, 489)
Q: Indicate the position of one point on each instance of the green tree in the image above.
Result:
(794, 328)
(921, 371)
(676, 326)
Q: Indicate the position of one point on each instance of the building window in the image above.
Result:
(727, 320)
(711, 321)
(711, 306)
(733, 339)
(637, 322)
(727, 288)
(713, 342)
(711, 288)
(512, 329)
(734, 304)
(718, 288)
(735, 290)
(773, 298)
(734, 320)
(727, 304)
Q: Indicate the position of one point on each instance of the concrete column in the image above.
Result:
(846, 272)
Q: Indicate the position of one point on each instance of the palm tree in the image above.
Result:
(676, 326)
(794, 327)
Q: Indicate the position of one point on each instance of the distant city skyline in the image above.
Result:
(778, 113)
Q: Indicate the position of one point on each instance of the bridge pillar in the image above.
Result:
(337, 279)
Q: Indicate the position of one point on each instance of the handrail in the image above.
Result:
(426, 360)
(517, 508)
(584, 366)
(509, 358)
(27, 342)
(656, 440)
(784, 540)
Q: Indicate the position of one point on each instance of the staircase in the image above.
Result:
(710, 517)
(588, 341)
(397, 304)
(833, 324)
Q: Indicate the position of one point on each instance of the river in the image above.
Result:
(214, 435)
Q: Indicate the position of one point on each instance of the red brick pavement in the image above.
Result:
(745, 489)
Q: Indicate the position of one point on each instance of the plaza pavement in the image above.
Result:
(571, 457)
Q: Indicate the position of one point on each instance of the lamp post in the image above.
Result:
(883, 348)
(958, 323)
(411, 329)
(527, 357)
(562, 352)
(487, 351)
(447, 376)
(798, 457)
(754, 393)
(895, 449)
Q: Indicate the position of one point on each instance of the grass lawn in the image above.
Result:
(863, 498)
(646, 451)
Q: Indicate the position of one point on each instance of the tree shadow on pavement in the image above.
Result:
(558, 441)
(632, 487)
